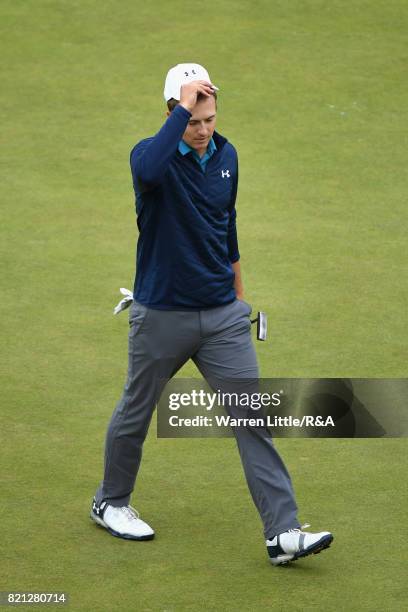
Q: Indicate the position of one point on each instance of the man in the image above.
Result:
(188, 304)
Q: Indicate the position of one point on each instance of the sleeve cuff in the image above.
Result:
(182, 111)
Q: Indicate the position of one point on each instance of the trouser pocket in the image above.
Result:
(137, 316)
(247, 306)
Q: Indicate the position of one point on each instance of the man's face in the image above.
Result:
(201, 126)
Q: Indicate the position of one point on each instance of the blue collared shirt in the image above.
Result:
(184, 148)
(186, 220)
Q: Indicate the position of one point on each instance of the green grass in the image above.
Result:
(313, 96)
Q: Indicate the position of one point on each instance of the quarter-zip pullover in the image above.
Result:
(186, 219)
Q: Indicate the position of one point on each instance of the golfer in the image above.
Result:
(188, 304)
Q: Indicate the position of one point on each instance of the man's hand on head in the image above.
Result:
(190, 91)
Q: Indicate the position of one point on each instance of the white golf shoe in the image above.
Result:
(295, 544)
(122, 522)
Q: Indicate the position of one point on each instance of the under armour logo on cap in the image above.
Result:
(181, 74)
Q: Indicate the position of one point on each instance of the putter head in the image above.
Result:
(261, 326)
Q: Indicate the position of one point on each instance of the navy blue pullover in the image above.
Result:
(186, 219)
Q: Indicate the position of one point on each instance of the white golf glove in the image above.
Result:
(125, 303)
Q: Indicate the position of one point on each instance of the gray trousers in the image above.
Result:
(220, 344)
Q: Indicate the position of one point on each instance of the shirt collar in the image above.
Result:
(184, 148)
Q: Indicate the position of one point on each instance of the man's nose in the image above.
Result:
(202, 129)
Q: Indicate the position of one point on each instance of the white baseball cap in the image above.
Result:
(181, 74)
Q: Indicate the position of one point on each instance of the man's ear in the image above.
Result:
(168, 113)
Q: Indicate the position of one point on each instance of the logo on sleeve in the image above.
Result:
(225, 173)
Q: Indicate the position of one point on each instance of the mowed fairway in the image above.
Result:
(313, 95)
